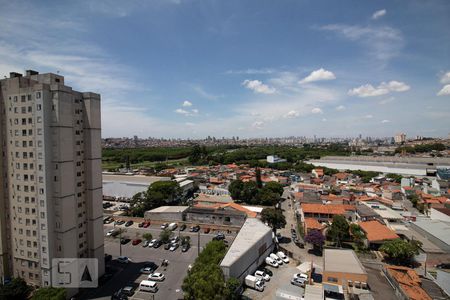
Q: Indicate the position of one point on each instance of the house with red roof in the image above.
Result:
(377, 233)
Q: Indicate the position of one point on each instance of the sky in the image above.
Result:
(193, 68)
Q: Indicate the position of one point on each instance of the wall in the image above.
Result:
(343, 277)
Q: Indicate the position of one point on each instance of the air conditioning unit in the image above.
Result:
(350, 283)
(364, 285)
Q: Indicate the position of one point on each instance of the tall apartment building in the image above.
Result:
(50, 176)
(400, 138)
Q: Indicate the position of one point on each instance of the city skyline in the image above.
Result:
(191, 69)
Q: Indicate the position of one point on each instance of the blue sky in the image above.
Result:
(186, 68)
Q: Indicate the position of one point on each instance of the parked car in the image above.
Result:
(195, 228)
(167, 246)
(112, 231)
(298, 282)
(123, 259)
(185, 247)
(140, 225)
(267, 271)
(301, 275)
(128, 290)
(146, 224)
(283, 257)
(164, 225)
(174, 239)
(262, 275)
(152, 243)
(182, 227)
(129, 223)
(124, 241)
(271, 262)
(119, 222)
(157, 244)
(172, 226)
(150, 267)
(219, 237)
(145, 243)
(156, 277)
(206, 230)
(174, 246)
(443, 266)
(276, 258)
(136, 242)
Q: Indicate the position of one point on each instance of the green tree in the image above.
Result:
(339, 230)
(158, 193)
(249, 192)
(258, 178)
(273, 217)
(232, 286)
(17, 289)
(205, 280)
(358, 236)
(275, 187)
(147, 236)
(397, 178)
(164, 235)
(49, 293)
(401, 252)
(267, 197)
(235, 188)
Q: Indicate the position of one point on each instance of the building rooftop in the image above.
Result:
(126, 186)
(409, 282)
(384, 211)
(251, 232)
(333, 209)
(436, 228)
(375, 231)
(169, 209)
(342, 261)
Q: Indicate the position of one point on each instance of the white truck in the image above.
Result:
(254, 283)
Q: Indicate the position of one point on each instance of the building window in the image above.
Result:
(38, 95)
(38, 107)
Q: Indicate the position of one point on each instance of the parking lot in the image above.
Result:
(124, 274)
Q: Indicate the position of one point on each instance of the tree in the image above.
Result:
(401, 252)
(147, 236)
(339, 230)
(198, 154)
(17, 289)
(232, 286)
(267, 197)
(397, 178)
(235, 188)
(164, 236)
(49, 293)
(205, 280)
(258, 178)
(158, 193)
(273, 217)
(358, 235)
(316, 238)
(275, 187)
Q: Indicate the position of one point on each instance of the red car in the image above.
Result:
(146, 224)
(207, 230)
(136, 242)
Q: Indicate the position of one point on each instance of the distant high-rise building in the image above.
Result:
(50, 183)
(400, 138)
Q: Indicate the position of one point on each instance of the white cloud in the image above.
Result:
(378, 14)
(368, 117)
(387, 100)
(445, 78)
(340, 108)
(251, 71)
(182, 111)
(194, 111)
(385, 121)
(445, 91)
(258, 87)
(381, 42)
(187, 103)
(258, 125)
(318, 75)
(368, 90)
(292, 114)
(316, 110)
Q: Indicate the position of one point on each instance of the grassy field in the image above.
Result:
(148, 164)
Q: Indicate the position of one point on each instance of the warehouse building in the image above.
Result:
(251, 246)
(342, 267)
(167, 213)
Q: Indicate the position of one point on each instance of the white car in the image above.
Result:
(174, 246)
(156, 277)
(283, 257)
(152, 242)
(276, 258)
(145, 243)
(123, 259)
(301, 276)
(262, 275)
(110, 232)
(164, 226)
(271, 262)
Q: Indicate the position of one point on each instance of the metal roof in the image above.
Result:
(342, 261)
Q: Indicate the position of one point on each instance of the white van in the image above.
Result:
(148, 286)
(173, 226)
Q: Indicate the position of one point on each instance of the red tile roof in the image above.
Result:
(311, 223)
(375, 231)
(332, 209)
(409, 282)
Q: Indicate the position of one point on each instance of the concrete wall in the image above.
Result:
(342, 278)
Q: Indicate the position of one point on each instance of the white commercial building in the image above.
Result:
(251, 246)
(50, 183)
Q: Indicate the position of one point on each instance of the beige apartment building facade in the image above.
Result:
(50, 176)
